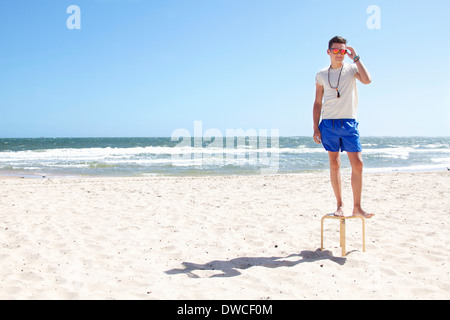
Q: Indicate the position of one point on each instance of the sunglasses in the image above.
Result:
(336, 51)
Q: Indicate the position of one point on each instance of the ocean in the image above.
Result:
(67, 157)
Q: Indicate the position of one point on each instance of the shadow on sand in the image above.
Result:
(230, 268)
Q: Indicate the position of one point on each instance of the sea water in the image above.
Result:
(162, 156)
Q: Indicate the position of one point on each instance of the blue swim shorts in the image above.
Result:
(340, 134)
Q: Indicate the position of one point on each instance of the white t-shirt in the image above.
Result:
(346, 106)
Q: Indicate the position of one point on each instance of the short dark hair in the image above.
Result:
(337, 39)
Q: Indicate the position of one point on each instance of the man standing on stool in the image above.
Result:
(337, 102)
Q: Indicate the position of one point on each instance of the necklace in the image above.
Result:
(339, 79)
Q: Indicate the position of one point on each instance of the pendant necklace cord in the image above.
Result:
(339, 79)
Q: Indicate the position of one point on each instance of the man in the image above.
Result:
(337, 102)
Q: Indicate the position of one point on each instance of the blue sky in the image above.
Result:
(148, 67)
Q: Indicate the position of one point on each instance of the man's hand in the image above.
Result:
(317, 136)
(363, 74)
(317, 110)
(351, 52)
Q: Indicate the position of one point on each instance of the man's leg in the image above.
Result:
(335, 177)
(357, 171)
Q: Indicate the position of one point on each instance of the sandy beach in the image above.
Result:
(222, 237)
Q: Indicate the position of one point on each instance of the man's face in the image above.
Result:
(338, 58)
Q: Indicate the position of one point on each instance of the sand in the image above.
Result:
(239, 237)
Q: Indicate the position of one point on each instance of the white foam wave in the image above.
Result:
(105, 153)
(137, 152)
(190, 156)
(415, 168)
(441, 160)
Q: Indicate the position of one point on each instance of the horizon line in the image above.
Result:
(169, 137)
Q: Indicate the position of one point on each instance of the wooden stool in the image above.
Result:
(342, 231)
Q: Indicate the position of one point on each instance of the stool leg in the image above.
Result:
(363, 234)
(321, 235)
(342, 233)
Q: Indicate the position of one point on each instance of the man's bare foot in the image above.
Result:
(339, 212)
(361, 213)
